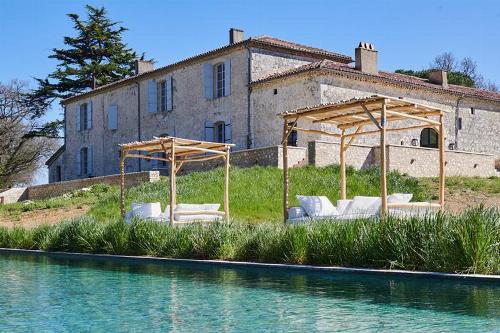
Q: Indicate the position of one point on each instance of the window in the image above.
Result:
(83, 117)
(292, 137)
(162, 96)
(472, 111)
(219, 132)
(459, 123)
(219, 80)
(275, 91)
(58, 173)
(428, 138)
(113, 117)
(84, 161)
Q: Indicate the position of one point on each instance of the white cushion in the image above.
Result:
(399, 197)
(196, 207)
(192, 207)
(296, 212)
(146, 210)
(363, 205)
(342, 205)
(316, 206)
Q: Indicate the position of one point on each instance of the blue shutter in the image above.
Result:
(227, 132)
(78, 163)
(152, 96)
(89, 115)
(227, 77)
(208, 77)
(90, 161)
(209, 130)
(112, 117)
(168, 84)
(77, 113)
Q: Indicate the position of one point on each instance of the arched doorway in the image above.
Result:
(429, 138)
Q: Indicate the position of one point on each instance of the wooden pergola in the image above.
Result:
(351, 118)
(176, 152)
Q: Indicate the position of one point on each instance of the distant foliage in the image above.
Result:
(462, 73)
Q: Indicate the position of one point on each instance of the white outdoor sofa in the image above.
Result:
(152, 211)
(320, 208)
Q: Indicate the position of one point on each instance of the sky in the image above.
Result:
(407, 34)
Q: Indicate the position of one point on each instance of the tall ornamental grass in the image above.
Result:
(465, 243)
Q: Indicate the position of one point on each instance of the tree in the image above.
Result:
(464, 73)
(94, 57)
(24, 143)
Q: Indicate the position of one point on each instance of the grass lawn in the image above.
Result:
(255, 194)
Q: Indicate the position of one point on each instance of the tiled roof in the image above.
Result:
(259, 42)
(410, 81)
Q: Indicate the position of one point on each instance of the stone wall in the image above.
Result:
(424, 162)
(322, 153)
(55, 189)
(266, 156)
(12, 195)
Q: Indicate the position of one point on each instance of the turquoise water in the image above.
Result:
(39, 294)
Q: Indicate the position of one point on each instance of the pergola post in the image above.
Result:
(122, 182)
(226, 185)
(343, 191)
(172, 181)
(441, 160)
(285, 171)
(383, 159)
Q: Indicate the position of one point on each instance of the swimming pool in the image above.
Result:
(44, 294)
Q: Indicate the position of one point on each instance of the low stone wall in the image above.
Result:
(12, 195)
(322, 153)
(266, 156)
(424, 162)
(55, 189)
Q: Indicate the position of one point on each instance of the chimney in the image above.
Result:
(143, 66)
(235, 35)
(366, 58)
(440, 77)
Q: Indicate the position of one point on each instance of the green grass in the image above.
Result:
(489, 185)
(77, 198)
(465, 243)
(256, 193)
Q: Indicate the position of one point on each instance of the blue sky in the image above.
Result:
(407, 34)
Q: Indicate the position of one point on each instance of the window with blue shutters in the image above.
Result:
(113, 117)
(84, 116)
(217, 79)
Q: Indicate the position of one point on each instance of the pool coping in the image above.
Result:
(246, 264)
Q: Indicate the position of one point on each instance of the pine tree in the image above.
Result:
(95, 57)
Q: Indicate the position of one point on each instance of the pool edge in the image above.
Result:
(245, 264)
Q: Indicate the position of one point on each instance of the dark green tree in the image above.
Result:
(94, 57)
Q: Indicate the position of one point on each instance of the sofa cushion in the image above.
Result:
(363, 205)
(316, 206)
(296, 212)
(399, 197)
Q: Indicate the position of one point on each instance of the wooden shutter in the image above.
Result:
(78, 163)
(152, 96)
(227, 77)
(209, 131)
(90, 160)
(89, 115)
(113, 117)
(227, 132)
(208, 77)
(77, 112)
(169, 86)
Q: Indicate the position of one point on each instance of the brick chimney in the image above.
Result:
(143, 66)
(366, 58)
(236, 35)
(440, 77)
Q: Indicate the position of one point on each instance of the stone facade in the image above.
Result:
(414, 161)
(251, 108)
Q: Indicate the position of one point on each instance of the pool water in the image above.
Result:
(40, 294)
